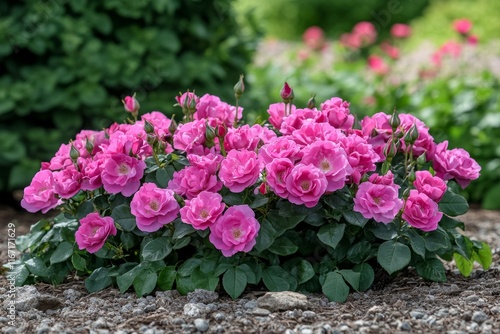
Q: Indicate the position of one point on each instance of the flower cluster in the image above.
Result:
(216, 184)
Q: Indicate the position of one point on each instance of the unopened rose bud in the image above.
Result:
(412, 177)
(394, 121)
(412, 135)
(390, 150)
(263, 188)
(286, 93)
(89, 146)
(131, 104)
(172, 127)
(221, 130)
(73, 153)
(239, 88)
(148, 127)
(311, 104)
(179, 199)
(421, 160)
(209, 135)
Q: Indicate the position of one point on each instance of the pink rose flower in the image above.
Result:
(203, 210)
(455, 164)
(462, 26)
(379, 201)
(96, 138)
(160, 122)
(153, 207)
(424, 143)
(209, 161)
(282, 147)
(361, 156)
(300, 117)
(314, 38)
(331, 159)
(93, 232)
(305, 185)
(131, 104)
(187, 100)
(91, 171)
(192, 180)
(311, 132)
(377, 65)
(388, 49)
(240, 169)
(61, 159)
(350, 40)
(472, 40)
(210, 106)
(243, 137)
(40, 194)
(235, 231)
(366, 32)
(277, 172)
(432, 186)
(122, 174)
(421, 212)
(190, 137)
(67, 182)
(400, 30)
(276, 113)
(337, 113)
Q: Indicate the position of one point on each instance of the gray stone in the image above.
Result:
(479, 317)
(202, 296)
(405, 326)
(260, 312)
(282, 301)
(306, 330)
(71, 294)
(26, 298)
(178, 321)
(192, 310)
(308, 314)
(219, 316)
(250, 304)
(101, 323)
(472, 298)
(417, 314)
(201, 325)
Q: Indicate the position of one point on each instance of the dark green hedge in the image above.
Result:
(66, 65)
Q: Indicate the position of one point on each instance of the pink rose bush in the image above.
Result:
(212, 203)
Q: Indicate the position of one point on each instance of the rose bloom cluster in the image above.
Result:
(301, 156)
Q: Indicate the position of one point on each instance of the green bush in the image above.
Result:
(67, 65)
(288, 19)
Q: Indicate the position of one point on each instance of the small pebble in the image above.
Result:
(479, 317)
(417, 314)
(201, 325)
(472, 298)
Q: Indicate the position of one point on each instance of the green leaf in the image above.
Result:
(184, 285)
(449, 223)
(273, 279)
(431, 269)
(182, 242)
(251, 276)
(352, 277)
(355, 218)
(163, 175)
(436, 240)
(20, 273)
(78, 262)
(335, 288)
(483, 255)
(256, 268)
(384, 231)
(188, 266)
(182, 229)
(417, 243)
(37, 267)
(129, 240)
(145, 282)
(283, 246)
(234, 281)
(300, 268)
(359, 252)
(331, 234)
(63, 252)
(126, 280)
(156, 249)
(259, 201)
(453, 204)
(464, 265)
(123, 217)
(84, 209)
(166, 278)
(98, 280)
(266, 236)
(367, 275)
(393, 256)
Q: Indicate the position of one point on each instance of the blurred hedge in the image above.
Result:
(67, 64)
(288, 19)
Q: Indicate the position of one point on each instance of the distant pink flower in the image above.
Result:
(235, 231)
(462, 26)
(40, 194)
(367, 32)
(331, 159)
(432, 186)
(203, 210)
(314, 38)
(400, 30)
(192, 180)
(472, 39)
(337, 113)
(361, 156)
(210, 106)
(93, 232)
(67, 182)
(377, 65)
(277, 172)
(305, 185)
(153, 207)
(240, 169)
(421, 212)
(455, 164)
(122, 173)
(351, 41)
(276, 113)
(282, 147)
(391, 51)
(378, 200)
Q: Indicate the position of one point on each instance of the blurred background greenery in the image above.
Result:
(65, 65)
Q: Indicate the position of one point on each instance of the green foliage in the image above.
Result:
(66, 65)
(288, 19)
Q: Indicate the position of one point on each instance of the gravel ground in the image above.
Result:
(400, 304)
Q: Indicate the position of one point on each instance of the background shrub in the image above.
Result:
(67, 65)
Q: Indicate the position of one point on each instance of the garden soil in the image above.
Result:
(399, 304)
